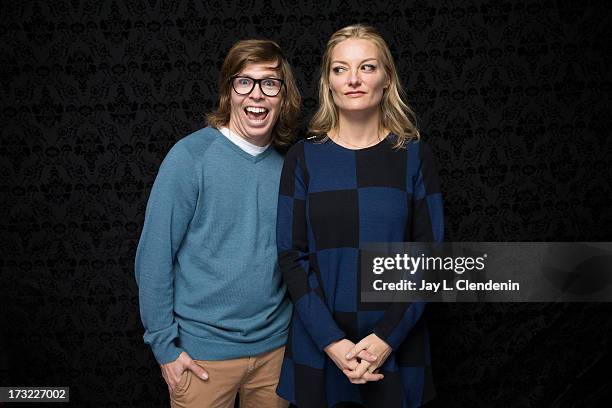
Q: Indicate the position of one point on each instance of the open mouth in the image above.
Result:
(256, 113)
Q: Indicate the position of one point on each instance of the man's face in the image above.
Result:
(254, 115)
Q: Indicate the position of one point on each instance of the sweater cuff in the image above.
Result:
(387, 338)
(318, 320)
(162, 344)
(167, 354)
(398, 322)
(323, 342)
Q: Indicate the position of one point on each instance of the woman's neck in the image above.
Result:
(357, 130)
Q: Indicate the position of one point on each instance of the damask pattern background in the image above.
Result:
(513, 97)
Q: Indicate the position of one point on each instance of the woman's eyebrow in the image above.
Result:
(346, 63)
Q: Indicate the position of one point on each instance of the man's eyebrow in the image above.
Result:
(346, 63)
(276, 69)
(272, 67)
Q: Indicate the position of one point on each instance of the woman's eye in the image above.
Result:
(337, 70)
(368, 67)
(244, 82)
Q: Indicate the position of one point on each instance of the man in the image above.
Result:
(211, 297)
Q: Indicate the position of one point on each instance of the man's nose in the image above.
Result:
(256, 92)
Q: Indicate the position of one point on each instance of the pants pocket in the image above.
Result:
(183, 384)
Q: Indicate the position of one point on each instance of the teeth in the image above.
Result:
(255, 110)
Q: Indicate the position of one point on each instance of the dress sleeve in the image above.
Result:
(169, 211)
(293, 252)
(427, 225)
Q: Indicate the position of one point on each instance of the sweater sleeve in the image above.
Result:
(293, 252)
(169, 211)
(427, 225)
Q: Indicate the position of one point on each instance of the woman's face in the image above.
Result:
(356, 77)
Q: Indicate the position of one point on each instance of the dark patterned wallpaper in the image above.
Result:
(514, 98)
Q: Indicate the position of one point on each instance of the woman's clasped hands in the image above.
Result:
(360, 362)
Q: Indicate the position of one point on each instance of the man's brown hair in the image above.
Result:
(256, 52)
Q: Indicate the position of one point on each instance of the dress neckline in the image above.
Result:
(384, 139)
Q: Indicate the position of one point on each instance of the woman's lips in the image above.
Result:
(355, 94)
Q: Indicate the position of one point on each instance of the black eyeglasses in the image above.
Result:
(244, 85)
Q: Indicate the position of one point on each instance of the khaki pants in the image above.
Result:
(254, 377)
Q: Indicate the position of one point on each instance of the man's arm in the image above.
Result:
(169, 211)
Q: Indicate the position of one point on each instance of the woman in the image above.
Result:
(363, 177)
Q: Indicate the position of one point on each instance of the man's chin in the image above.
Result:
(258, 136)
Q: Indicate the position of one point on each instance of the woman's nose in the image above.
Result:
(354, 79)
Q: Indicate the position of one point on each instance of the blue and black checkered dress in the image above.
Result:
(332, 201)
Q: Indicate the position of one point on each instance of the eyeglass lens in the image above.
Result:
(245, 85)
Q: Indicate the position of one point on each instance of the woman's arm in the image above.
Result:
(426, 225)
(294, 256)
(294, 261)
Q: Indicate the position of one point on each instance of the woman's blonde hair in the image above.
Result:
(395, 114)
(256, 52)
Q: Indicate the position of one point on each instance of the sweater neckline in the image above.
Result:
(237, 149)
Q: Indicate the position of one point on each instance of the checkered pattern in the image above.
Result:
(332, 201)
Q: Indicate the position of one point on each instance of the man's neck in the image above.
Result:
(257, 141)
(243, 144)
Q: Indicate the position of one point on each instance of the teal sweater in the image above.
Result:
(206, 264)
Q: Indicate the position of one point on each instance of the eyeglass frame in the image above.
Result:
(256, 82)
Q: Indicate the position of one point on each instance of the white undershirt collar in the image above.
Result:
(248, 147)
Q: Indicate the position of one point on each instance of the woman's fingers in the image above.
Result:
(368, 376)
(351, 364)
(358, 372)
(362, 345)
(366, 355)
(355, 378)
